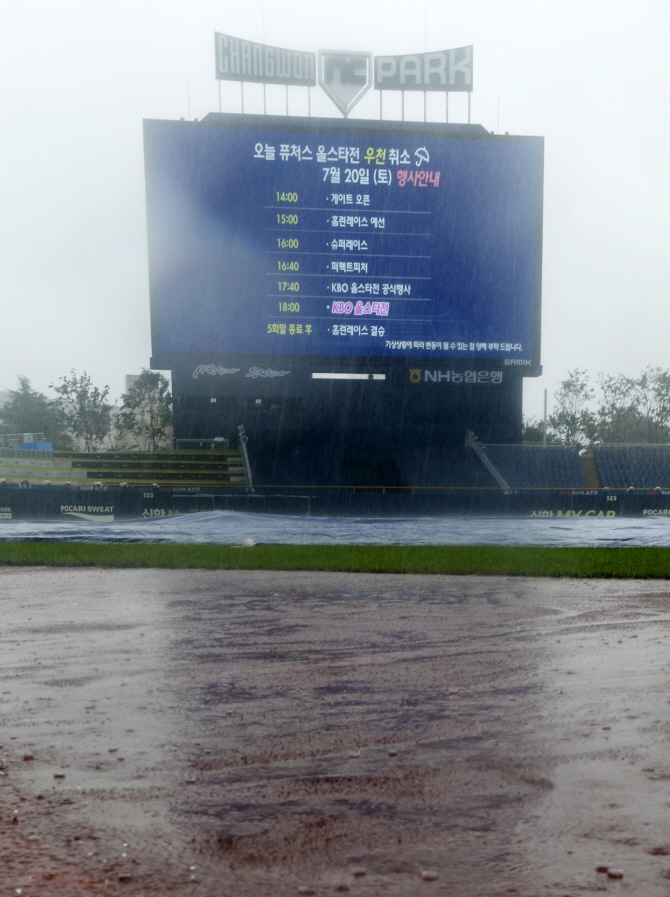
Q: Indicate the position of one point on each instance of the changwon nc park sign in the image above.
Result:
(446, 70)
(344, 75)
(243, 60)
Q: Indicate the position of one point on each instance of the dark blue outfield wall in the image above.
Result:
(405, 430)
(108, 503)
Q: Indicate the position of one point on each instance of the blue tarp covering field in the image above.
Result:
(234, 528)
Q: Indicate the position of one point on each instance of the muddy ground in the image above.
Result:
(259, 733)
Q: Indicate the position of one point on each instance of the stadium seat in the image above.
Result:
(642, 467)
(533, 466)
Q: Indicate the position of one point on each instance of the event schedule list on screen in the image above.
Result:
(311, 243)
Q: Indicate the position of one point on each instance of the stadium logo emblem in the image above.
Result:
(415, 375)
(255, 372)
(214, 370)
(345, 77)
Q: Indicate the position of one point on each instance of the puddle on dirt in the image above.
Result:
(277, 730)
(609, 679)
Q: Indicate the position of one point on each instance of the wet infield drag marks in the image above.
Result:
(234, 733)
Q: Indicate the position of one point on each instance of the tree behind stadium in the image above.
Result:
(572, 421)
(29, 411)
(85, 411)
(635, 410)
(146, 411)
(630, 410)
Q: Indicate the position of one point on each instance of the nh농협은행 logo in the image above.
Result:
(455, 377)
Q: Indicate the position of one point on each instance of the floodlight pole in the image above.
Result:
(544, 428)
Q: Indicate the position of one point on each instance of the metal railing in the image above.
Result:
(9, 439)
(245, 456)
(472, 442)
(216, 442)
(24, 453)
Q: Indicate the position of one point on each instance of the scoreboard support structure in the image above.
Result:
(384, 425)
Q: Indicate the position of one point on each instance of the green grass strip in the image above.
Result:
(642, 563)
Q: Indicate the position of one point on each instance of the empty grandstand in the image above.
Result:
(633, 466)
(178, 468)
(494, 479)
(562, 467)
(532, 466)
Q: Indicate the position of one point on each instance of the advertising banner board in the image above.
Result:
(446, 70)
(274, 236)
(243, 60)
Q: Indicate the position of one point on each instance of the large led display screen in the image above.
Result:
(312, 238)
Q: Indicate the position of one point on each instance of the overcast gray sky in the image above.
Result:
(78, 77)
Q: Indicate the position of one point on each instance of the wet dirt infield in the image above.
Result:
(258, 733)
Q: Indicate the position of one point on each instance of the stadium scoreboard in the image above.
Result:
(273, 236)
